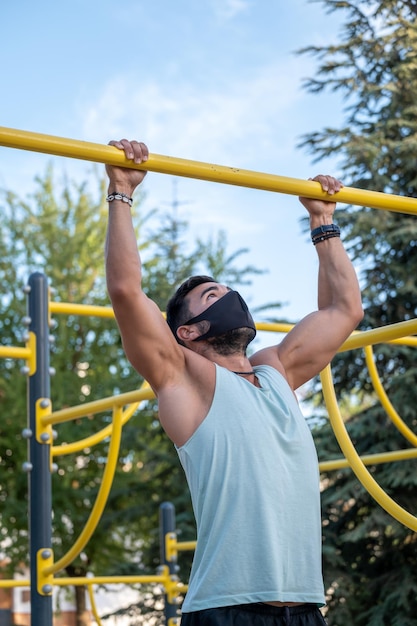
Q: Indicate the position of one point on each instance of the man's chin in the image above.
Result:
(233, 341)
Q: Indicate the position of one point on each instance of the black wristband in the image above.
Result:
(325, 229)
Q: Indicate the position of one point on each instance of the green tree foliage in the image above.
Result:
(370, 559)
(60, 231)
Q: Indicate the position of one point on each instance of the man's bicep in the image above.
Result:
(311, 345)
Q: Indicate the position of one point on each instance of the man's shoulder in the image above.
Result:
(268, 356)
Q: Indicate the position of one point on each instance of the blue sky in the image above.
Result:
(211, 80)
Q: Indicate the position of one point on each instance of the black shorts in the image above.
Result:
(257, 614)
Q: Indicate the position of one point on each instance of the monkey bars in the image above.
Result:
(72, 148)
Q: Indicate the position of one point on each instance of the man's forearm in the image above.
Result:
(123, 266)
(337, 282)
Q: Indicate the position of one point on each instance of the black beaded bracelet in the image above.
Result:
(116, 195)
(324, 237)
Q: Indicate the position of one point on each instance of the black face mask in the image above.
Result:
(228, 313)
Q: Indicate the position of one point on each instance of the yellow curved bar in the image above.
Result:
(60, 146)
(386, 403)
(101, 499)
(93, 604)
(348, 449)
(371, 459)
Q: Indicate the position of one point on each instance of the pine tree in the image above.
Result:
(370, 559)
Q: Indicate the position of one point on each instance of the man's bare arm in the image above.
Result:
(314, 341)
(147, 339)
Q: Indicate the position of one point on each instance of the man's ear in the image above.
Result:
(188, 333)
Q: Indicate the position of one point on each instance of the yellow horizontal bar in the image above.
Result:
(95, 580)
(398, 333)
(275, 327)
(81, 410)
(383, 334)
(11, 582)
(87, 442)
(186, 545)
(12, 352)
(60, 146)
(406, 341)
(370, 459)
(395, 333)
(108, 580)
(92, 440)
(80, 309)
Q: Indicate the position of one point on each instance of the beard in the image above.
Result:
(233, 341)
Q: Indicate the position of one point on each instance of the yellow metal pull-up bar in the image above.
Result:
(59, 146)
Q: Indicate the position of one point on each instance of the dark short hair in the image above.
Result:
(177, 310)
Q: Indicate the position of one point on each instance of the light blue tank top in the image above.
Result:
(253, 475)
